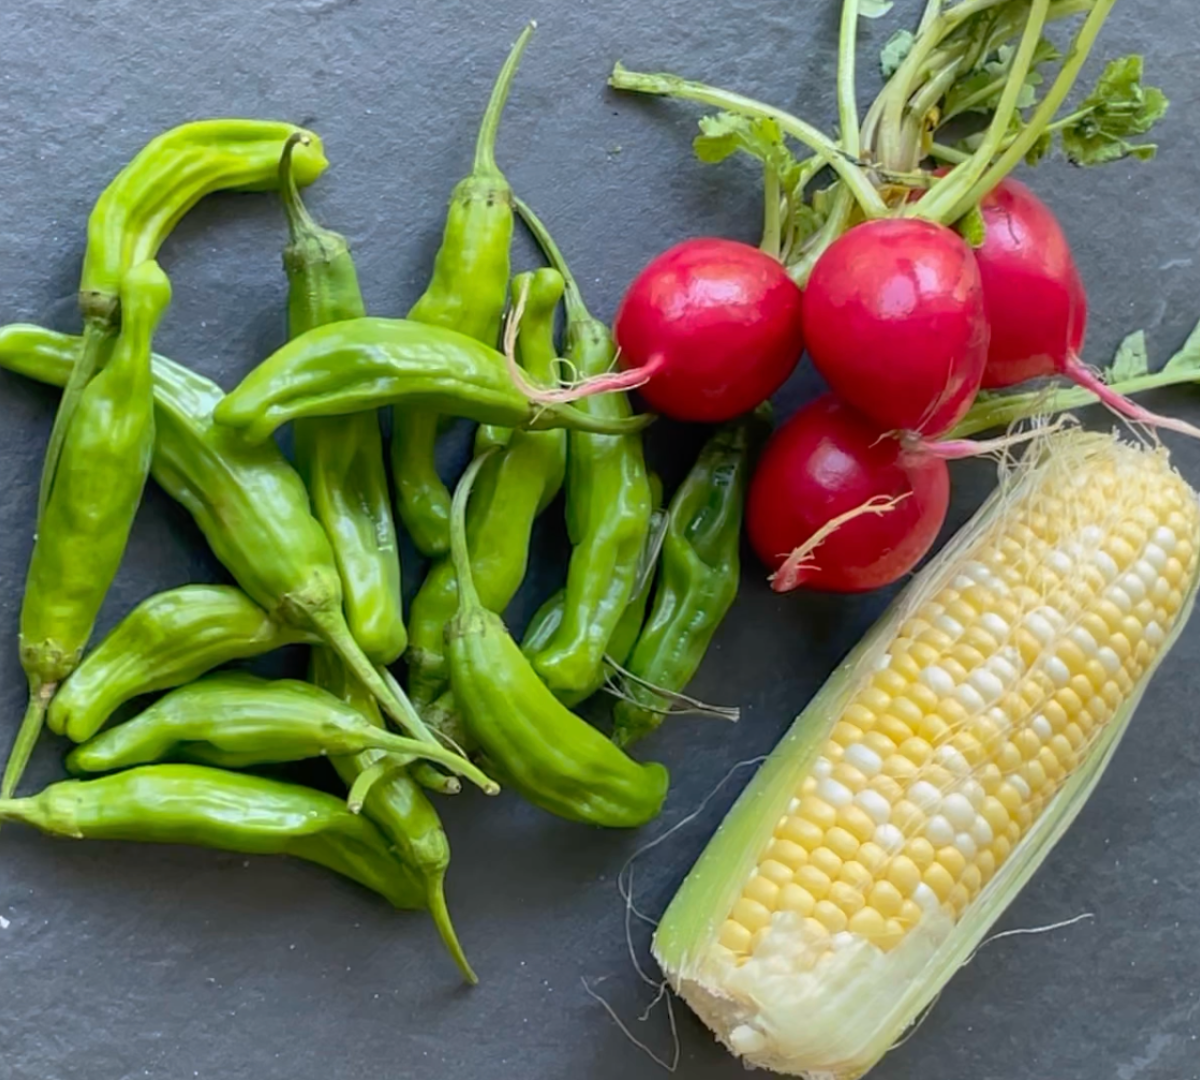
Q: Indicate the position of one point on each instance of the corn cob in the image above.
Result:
(925, 783)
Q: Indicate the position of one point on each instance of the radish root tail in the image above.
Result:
(791, 574)
(1082, 375)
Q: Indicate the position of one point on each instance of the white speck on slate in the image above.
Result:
(4, 923)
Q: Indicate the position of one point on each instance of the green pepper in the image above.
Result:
(396, 804)
(86, 523)
(364, 363)
(698, 575)
(169, 639)
(467, 293)
(235, 720)
(553, 758)
(548, 618)
(248, 501)
(212, 808)
(341, 458)
(140, 207)
(515, 486)
(608, 505)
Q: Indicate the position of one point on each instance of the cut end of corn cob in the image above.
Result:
(930, 777)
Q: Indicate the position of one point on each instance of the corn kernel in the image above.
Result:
(815, 881)
(773, 870)
(819, 812)
(952, 860)
(856, 875)
(793, 897)
(802, 832)
(871, 857)
(939, 880)
(921, 852)
(734, 936)
(762, 890)
(847, 897)
(751, 914)
(867, 923)
(829, 915)
(843, 844)
(858, 823)
(885, 898)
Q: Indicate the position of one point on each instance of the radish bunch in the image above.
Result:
(911, 286)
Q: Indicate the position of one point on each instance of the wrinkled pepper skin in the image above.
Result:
(396, 803)
(341, 458)
(467, 293)
(139, 208)
(86, 523)
(513, 488)
(234, 720)
(212, 808)
(168, 640)
(361, 364)
(699, 574)
(608, 505)
(529, 738)
(548, 618)
(248, 501)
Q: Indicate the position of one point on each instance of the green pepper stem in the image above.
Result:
(97, 333)
(431, 780)
(331, 625)
(577, 312)
(27, 737)
(300, 221)
(485, 143)
(468, 595)
(666, 85)
(367, 779)
(846, 83)
(440, 913)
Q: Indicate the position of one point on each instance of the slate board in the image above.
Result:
(119, 962)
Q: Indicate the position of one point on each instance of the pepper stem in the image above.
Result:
(485, 143)
(468, 596)
(440, 913)
(300, 221)
(431, 780)
(577, 312)
(27, 737)
(331, 625)
(97, 333)
(367, 779)
(846, 84)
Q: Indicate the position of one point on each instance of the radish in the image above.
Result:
(1036, 302)
(895, 323)
(835, 504)
(711, 328)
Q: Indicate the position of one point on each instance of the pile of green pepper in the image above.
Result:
(314, 548)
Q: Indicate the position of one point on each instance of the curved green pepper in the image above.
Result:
(140, 207)
(85, 526)
(515, 486)
(553, 758)
(698, 576)
(248, 501)
(548, 618)
(364, 363)
(235, 720)
(169, 639)
(396, 804)
(608, 505)
(212, 808)
(341, 458)
(467, 293)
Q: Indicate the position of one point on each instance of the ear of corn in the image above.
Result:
(927, 780)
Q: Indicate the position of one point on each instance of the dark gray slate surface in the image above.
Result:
(119, 963)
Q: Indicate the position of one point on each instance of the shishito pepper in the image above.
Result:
(699, 574)
(514, 487)
(608, 504)
(86, 522)
(341, 457)
(229, 811)
(248, 501)
(553, 758)
(467, 293)
(138, 210)
(169, 639)
(395, 803)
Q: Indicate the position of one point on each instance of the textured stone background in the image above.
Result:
(120, 962)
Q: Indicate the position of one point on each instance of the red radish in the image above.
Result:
(713, 327)
(894, 319)
(1031, 288)
(835, 504)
